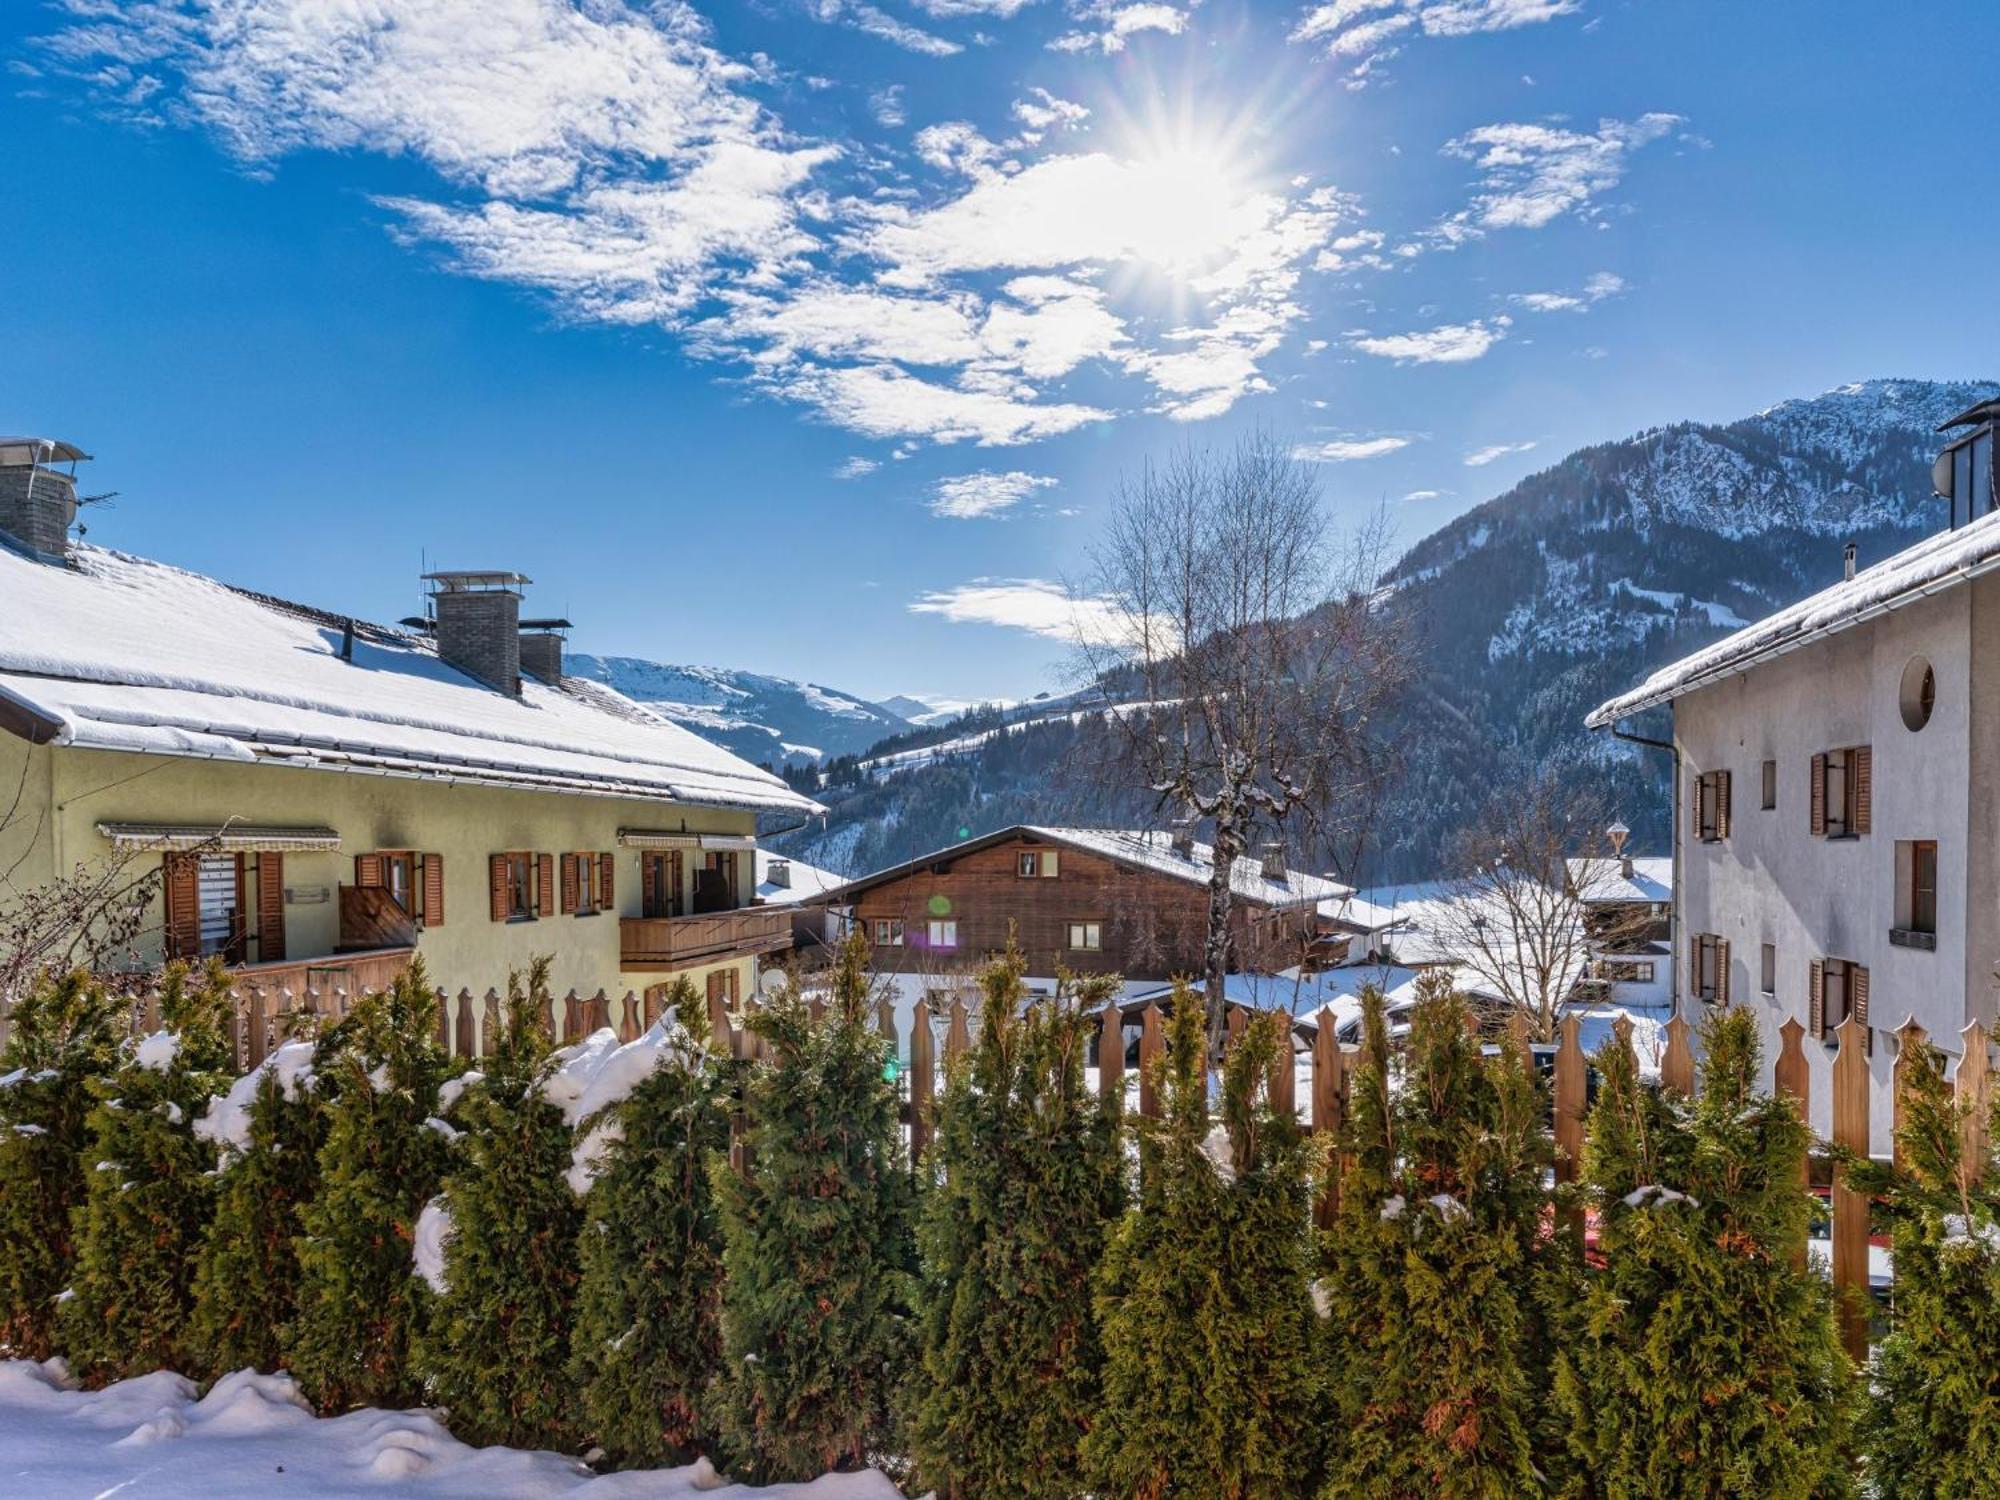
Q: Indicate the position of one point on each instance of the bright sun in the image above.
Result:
(1189, 205)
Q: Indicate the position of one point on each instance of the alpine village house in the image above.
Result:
(326, 797)
(1837, 819)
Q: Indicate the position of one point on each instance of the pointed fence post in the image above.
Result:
(923, 1079)
(1329, 1099)
(1850, 1209)
(443, 1018)
(572, 1016)
(1677, 1062)
(1792, 1079)
(1284, 1080)
(256, 1006)
(1520, 1041)
(817, 1009)
(721, 1032)
(1111, 1057)
(596, 1013)
(489, 1022)
(1910, 1038)
(1151, 1045)
(1571, 1092)
(655, 1007)
(628, 1018)
(1973, 1087)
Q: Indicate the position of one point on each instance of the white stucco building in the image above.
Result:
(1837, 802)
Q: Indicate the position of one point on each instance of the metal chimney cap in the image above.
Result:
(39, 450)
(465, 581)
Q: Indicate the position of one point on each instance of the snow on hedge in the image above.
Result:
(592, 1075)
(227, 1119)
(427, 1251)
(252, 1435)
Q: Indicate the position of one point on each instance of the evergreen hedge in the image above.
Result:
(1706, 1364)
(817, 1250)
(648, 1342)
(149, 1187)
(1022, 1185)
(64, 1036)
(1212, 1384)
(1931, 1430)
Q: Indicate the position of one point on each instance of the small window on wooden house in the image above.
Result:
(943, 934)
(1710, 798)
(1843, 792)
(1086, 937)
(1038, 864)
(888, 932)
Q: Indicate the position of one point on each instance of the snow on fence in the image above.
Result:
(266, 1014)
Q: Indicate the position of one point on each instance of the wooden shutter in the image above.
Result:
(1694, 808)
(1861, 787)
(496, 879)
(270, 907)
(1722, 804)
(604, 898)
(649, 886)
(545, 885)
(182, 937)
(569, 882)
(1816, 999)
(1722, 971)
(1694, 966)
(1818, 824)
(433, 888)
(368, 871)
(1857, 999)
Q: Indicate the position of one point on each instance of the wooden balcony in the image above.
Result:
(357, 974)
(656, 945)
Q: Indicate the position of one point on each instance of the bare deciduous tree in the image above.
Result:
(1219, 598)
(1514, 913)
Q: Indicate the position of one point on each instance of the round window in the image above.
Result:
(1919, 693)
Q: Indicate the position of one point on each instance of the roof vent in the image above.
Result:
(37, 497)
(542, 649)
(478, 617)
(779, 873)
(1183, 837)
(1847, 556)
(1275, 865)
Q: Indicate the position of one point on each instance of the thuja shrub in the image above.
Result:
(1212, 1385)
(1931, 1428)
(358, 1303)
(1432, 1268)
(1706, 1362)
(1022, 1185)
(64, 1034)
(149, 1187)
(817, 1247)
(647, 1343)
(495, 1346)
(247, 1270)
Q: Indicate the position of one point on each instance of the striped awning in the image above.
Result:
(230, 838)
(646, 838)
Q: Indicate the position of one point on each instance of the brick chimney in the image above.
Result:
(37, 499)
(542, 649)
(1183, 837)
(478, 619)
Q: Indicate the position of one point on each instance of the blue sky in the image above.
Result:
(811, 336)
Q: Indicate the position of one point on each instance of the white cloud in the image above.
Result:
(985, 493)
(1034, 605)
(1448, 344)
(1424, 495)
(886, 401)
(1531, 174)
(1005, 10)
(1346, 450)
(887, 106)
(1115, 24)
(1368, 29)
(1598, 287)
(1478, 458)
(876, 22)
(1045, 111)
(856, 467)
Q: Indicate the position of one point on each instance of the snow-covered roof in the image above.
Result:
(1917, 572)
(1352, 909)
(121, 653)
(804, 882)
(1601, 879)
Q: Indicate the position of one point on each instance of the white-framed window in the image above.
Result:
(1038, 864)
(888, 932)
(1086, 937)
(943, 934)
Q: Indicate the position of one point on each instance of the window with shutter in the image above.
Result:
(1816, 998)
(270, 907)
(368, 871)
(1722, 804)
(500, 884)
(1861, 772)
(570, 891)
(1857, 996)
(183, 925)
(1722, 971)
(545, 885)
(1697, 816)
(1817, 820)
(433, 890)
(604, 898)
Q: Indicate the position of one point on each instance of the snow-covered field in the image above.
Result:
(151, 1439)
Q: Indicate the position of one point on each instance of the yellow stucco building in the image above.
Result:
(324, 796)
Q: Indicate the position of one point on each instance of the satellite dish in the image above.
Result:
(1941, 474)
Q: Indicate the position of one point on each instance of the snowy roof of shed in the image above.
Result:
(122, 653)
(1928, 567)
(1601, 878)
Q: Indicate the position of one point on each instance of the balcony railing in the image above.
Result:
(657, 944)
(353, 974)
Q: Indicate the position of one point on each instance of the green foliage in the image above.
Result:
(149, 1188)
(816, 1242)
(1211, 1383)
(1931, 1430)
(358, 1302)
(247, 1271)
(64, 1034)
(1023, 1183)
(1436, 1266)
(495, 1346)
(1706, 1364)
(648, 1340)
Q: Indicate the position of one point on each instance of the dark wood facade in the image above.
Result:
(954, 912)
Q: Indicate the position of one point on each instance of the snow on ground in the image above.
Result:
(151, 1439)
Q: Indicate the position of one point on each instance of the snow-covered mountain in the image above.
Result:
(768, 720)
